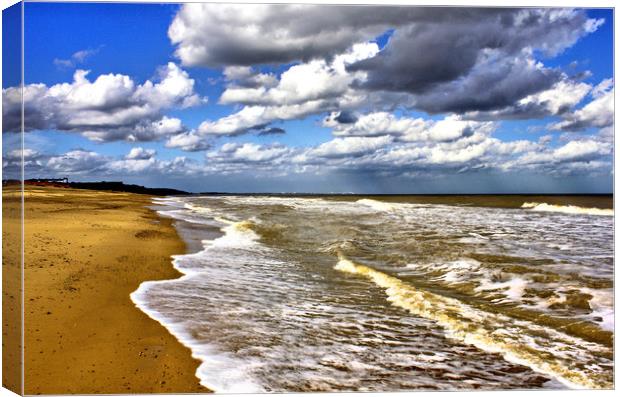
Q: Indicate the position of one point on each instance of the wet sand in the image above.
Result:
(86, 251)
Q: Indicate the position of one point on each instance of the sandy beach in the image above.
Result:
(11, 285)
(86, 251)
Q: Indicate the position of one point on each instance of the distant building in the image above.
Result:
(48, 180)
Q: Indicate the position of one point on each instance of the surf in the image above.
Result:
(567, 209)
(463, 322)
(377, 205)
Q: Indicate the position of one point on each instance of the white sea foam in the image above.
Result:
(567, 209)
(466, 324)
(377, 205)
(513, 289)
(197, 208)
(220, 372)
(602, 304)
(243, 304)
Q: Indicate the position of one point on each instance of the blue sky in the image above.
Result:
(413, 100)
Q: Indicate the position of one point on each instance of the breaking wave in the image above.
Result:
(266, 302)
(377, 205)
(567, 209)
(466, 324)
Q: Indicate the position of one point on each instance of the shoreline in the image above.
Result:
(214, 370)
(86, 252)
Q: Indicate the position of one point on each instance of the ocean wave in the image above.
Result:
(377, 205)
(503, 335)
(567, 209)
(270, 271)
(219, 371)
(196, 208)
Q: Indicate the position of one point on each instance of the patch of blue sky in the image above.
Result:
(11, 46)
(129, 38)
(383, 39)
(593, 52)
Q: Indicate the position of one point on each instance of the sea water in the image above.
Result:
(373, 294)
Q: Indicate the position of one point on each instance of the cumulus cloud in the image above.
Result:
(188, 141)
(272, 131)
(479, 63)
(302, 90)
(578, 150)
(88, 164)
(473, 67)
(317, 79)
(475, 59)
(257, 117)
(12, 161)
(597, 113)
(407, 129)
(247, 77)
(249, 34)
(138, 153)
(556, 100)
(376, 155)
(77, 162)
(490, 85)
(349, 146)
(249, 152)
(112, 107)
(579, 156)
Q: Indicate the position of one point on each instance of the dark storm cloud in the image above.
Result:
(496, 85)
(272, 131)
(475, 61)
(224, 35)
(218, 35)
(449, 59)
(346, 117)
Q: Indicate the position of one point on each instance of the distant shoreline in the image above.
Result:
(119, 186)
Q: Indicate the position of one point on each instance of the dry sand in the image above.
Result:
(85, 252)
(11, 288)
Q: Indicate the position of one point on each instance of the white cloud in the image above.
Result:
(76, 162)
(598, 113)
(112, 107)
(562, 96)
(188, 141)
(107, 91)
(408, 129)
(138, 153)
(247, 34)
(75, 59)
(571, 157)
(249, 152)
(252, 117)
(376, 124)
(245, 76)
(175, 88)
(132, 166)
(349, 146)
(574, 150)
(305, 82)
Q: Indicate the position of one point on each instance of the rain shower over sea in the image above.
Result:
(391, 293)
